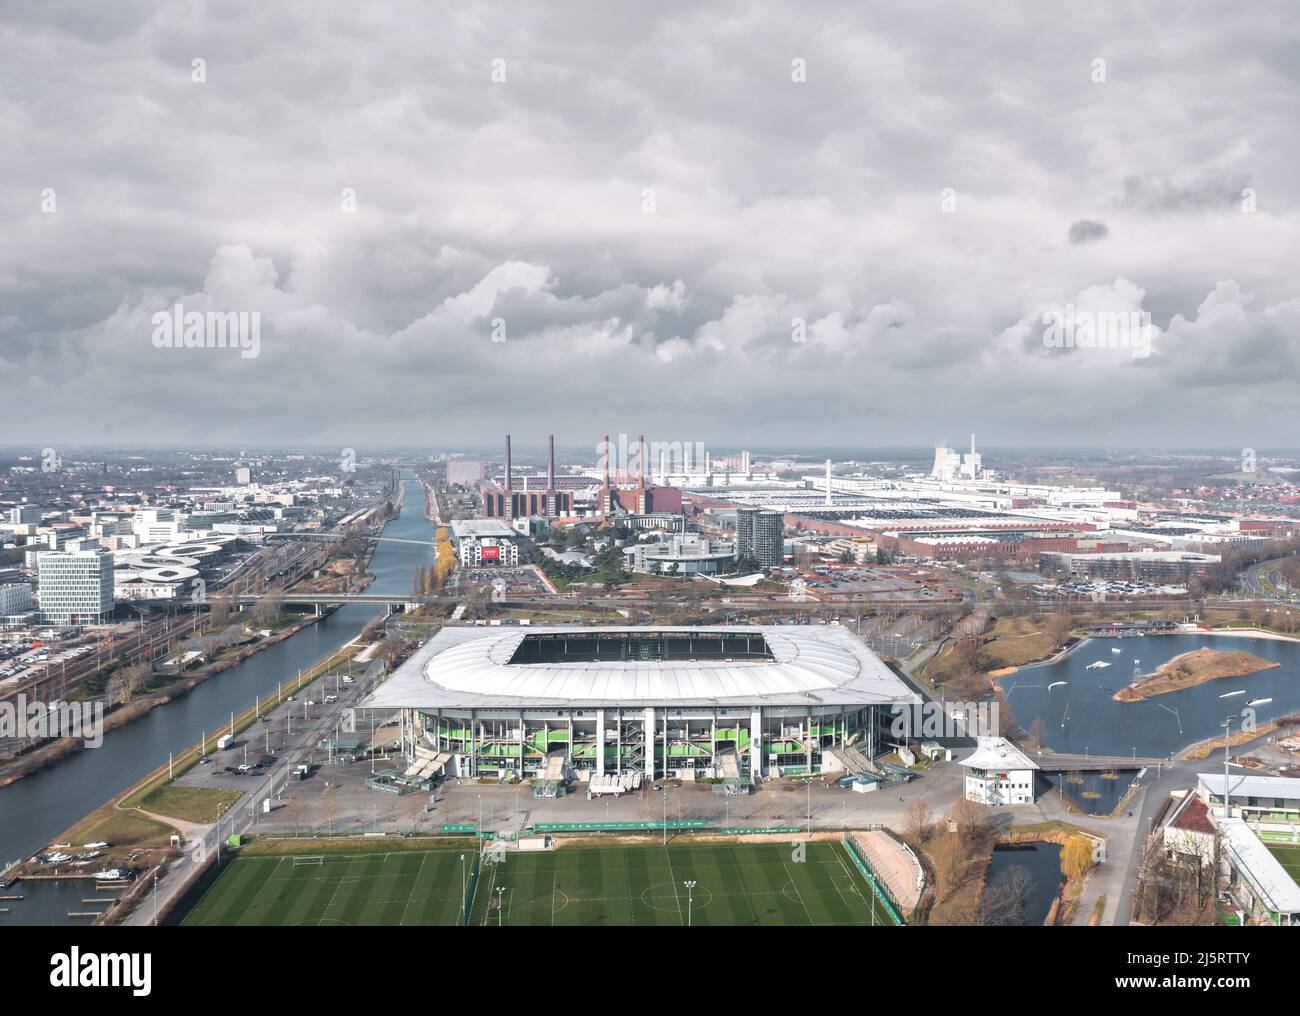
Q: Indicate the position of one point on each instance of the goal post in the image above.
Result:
(316, 859)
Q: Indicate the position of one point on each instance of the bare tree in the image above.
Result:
(1058, 628)
(917, 822)
(268, 609)
(1005, 900)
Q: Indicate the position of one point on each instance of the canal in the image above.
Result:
(35, 810)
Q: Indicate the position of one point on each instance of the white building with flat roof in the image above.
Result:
(998, 773)
(76, 587)
(481, 542)
(1254, 798)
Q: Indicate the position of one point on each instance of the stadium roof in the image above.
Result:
(469, 667)
(1274, 887)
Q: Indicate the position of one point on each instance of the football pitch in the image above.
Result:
(734, 885)
(1288, 854)
(403, 887)
(817, 883)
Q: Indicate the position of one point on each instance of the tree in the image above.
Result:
(1058, 628)
(974, 821)
(917, 821)
(129, 680)
(1005, 901)
(268, 609)
(1076, 857)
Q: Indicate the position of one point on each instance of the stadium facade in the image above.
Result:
(731, 703)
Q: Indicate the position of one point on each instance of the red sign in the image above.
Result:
(490, 553)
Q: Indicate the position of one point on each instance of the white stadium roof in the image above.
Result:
(468, 667)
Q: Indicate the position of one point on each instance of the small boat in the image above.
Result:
(112, 875)
(57, 858)
(1096, 666)
(1056, 684)
(1231, 694)
(1117, 650)
(1259, 702)
(97, 845)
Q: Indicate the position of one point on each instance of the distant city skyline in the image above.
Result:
(746, 224)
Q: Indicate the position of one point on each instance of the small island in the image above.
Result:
(1190, 669)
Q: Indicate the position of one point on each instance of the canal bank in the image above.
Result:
(47, 802)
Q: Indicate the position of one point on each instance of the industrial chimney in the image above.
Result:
(606, 497)
(510, 497)
(551, 507)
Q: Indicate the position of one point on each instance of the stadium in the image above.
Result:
(613, 706)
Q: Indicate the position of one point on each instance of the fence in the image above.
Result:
(882, 892)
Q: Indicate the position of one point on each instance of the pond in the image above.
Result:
(1023, 881)
(1081, 715)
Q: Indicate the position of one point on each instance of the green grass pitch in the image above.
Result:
(407, 887)
(1289, 856)
(735, 885)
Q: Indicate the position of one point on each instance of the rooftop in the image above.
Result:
(640, 666)
(1276, 889)
(1252, 786)
(998, 753)
(462, 528)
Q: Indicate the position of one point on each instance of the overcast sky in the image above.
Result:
(648, 205)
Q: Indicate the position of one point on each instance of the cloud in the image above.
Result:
(1088, 230)
(521, 200)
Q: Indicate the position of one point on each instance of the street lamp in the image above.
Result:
(690, 898)
(500, 903)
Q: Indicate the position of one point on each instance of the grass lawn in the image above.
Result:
(736, 884)
(1013, 642)
(121, 829)
(1288, 854)
(404, 887)
(191, 804)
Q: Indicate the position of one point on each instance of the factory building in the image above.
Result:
(507, 501)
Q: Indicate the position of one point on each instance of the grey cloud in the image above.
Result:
(1088, 230)
(522, 200)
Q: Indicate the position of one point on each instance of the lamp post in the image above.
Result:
(690, 899)
(1227, 740)
(500, 904)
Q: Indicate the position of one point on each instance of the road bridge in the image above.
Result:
(1054, 762)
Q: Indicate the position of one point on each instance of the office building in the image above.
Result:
(76, 587)
(760, 534)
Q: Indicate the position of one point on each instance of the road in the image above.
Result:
(244, 815)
